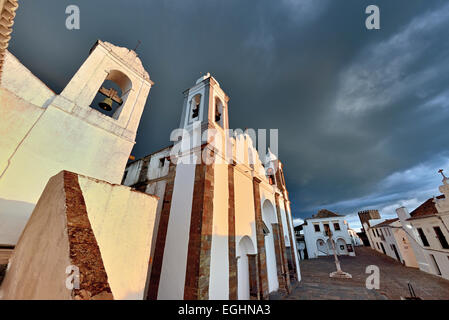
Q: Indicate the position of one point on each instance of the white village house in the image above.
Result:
(316, 239)
(427, 230)
(388, 237)
(356, 241)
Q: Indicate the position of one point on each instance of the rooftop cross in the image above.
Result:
(441, 171)
(138, 44)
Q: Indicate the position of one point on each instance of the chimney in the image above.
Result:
(403, 215)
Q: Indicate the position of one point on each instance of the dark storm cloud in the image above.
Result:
(361, 114)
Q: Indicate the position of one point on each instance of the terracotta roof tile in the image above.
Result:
(427, 208)
(324, 213)
(385, 223)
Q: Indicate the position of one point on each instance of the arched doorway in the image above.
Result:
(322, 247)
(341, 247)
(269, 217)
(244, 249)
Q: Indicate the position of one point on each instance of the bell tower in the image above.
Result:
(65, 131)
(205, 103)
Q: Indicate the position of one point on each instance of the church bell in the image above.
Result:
(106, 104)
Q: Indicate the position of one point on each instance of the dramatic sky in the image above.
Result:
(362, 114)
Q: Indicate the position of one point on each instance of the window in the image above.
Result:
(317, 227)
(441, 237)
(161, 162)
(326, 228)
(270, 176)
(337, 226)
(423, 237)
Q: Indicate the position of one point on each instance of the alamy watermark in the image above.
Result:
(373, 280)
(72, 22)
(373, 20)
(73, 279)
(212, 145)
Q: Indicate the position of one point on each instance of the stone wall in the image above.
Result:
(105, 230)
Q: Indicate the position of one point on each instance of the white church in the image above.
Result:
(224, 229)
(205, 218)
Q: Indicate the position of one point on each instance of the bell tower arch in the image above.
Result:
(206, 103)
(66, 133)
(107, 62)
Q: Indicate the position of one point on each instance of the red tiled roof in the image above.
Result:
(385, 223)
(324, 213)
(425, 209)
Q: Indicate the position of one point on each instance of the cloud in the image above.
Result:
(355, 109)
(381, 73)
(305, 11)
(408, 188)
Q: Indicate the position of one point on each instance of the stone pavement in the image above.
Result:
(316, 284)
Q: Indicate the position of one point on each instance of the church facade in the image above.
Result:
(223, 227)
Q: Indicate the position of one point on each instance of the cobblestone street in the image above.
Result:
(316, 284)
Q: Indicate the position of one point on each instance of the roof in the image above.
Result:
(324, 213)
(385, 223)
(426, 209)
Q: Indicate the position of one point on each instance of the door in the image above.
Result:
(383, 248)
(396, 252)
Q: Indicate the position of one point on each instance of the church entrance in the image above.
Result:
(269, 218)
(246, 270)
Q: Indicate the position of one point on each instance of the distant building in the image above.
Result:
(300, 242)
(427, 230)
(316, 239)
(355, 239)
(389, 238)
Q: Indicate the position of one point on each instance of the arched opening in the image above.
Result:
(322, 247)
(246, 269)
(195, 108)
(341, 246)
(112, 95)
(219, 117)
(269, 217)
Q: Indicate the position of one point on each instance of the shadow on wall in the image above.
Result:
(13, 218)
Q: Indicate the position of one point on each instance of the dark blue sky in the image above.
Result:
(362, 115)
